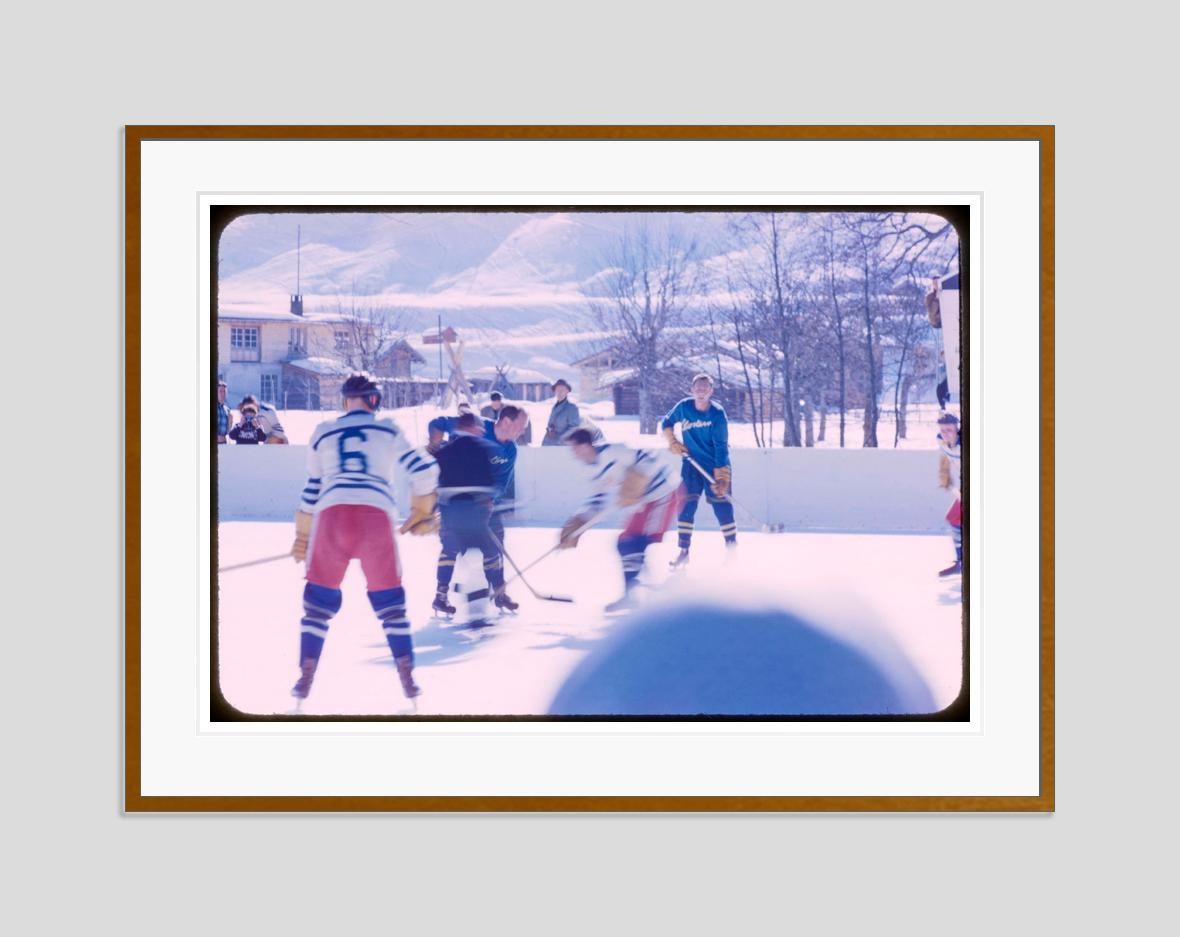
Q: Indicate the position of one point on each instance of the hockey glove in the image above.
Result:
(722, 475)
(435, 443)
(673, 443)
(302, 534)
(572, 531)
(423, 517)
(944, 472)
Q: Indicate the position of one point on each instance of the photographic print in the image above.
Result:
(590, 468)
(582, 463)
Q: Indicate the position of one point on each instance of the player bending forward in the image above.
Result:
(642, 481)
(502, 433)
(348, 512)
(466, 486)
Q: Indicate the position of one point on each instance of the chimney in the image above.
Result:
(297, 296)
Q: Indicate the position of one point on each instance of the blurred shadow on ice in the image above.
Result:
(758, 651)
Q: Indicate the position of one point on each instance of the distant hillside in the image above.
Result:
(492, 269)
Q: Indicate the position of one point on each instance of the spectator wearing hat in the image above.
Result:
(949, 478)
(222, 418)
(563, 417)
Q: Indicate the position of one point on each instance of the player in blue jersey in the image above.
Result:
(502, 434)
(347, 512)
(640, 481)
(705, 432)
(466, 486)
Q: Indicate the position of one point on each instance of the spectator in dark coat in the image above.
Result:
(249, 431)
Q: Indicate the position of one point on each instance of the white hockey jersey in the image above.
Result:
(950, 457)
(659, 468)
(352, 460)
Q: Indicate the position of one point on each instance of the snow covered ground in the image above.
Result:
(870, 591)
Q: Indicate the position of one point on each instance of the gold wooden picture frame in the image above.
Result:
(166, 749)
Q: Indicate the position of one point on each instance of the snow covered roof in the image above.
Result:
(316, 365)
(731, 372)
(513, 375)
(400, 344)
(617, 376)
(279, 315)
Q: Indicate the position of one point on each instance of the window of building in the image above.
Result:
(243, 344)
(297, 340)
(342, 341)
(270, 388)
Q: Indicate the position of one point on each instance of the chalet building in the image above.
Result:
(514, 383)
(590, 371)
(297, 360)
(675, 381)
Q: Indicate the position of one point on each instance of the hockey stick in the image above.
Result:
(265, 559)
(520, 575)
(766, 528)
(520, 572)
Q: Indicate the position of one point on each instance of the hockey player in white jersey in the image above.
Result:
(348, 512)
(644, 482)
(949, 476)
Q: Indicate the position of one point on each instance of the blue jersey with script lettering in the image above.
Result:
(705, 434)
(352, 460)
(503, 453)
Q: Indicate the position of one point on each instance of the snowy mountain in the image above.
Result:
(491, 269)
(513, 283)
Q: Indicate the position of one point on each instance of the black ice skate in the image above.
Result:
(306, 674)
(504, 603)
(954, 569)
(441, 606)
(681, 560)
(405, 673)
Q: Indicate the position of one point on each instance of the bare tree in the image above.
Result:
(367, 331)
(865, 231)
(643, 298)
(908, 237)
(904, 325)
(767, 274)
(831, 253)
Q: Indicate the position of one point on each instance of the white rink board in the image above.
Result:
(850, 490)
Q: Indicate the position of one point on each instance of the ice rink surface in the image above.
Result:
(880, 590)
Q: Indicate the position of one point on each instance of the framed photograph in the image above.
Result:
(683, 468)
